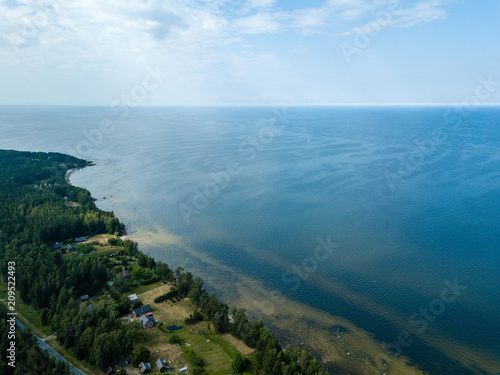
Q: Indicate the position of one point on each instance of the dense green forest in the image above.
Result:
(34, 215)
(29, 357)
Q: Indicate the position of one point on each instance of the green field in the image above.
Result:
(143, 288)
(29, 316)
(216, 353)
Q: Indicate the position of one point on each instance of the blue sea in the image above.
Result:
(384, 220)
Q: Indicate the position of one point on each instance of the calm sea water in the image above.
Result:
(410, 197)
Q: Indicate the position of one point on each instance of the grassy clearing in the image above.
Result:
(239, 345)
(72, 204)
(28, 324)
(99, 252)
(167, 312)
(102, 249)
(208, 346)
(157, 342)
(144, 288)
(216, 350)
(30, 317)
(220, 342)
(102, 238)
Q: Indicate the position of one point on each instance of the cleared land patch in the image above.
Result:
(216, 350)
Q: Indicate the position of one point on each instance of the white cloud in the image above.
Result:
(421, 12)
(260, 23)
(396, 14)
(115, 40)
(309, 20)
(261, 3)
(118, 27)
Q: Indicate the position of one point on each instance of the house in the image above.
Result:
(184, 369)
(110, 371)
(162, 365)
(110, 283)
(70, 248)
(81, 239)
(57, 246)
(117, 253)
(132, 298)
(90, 307)
(126, 274)
(145, 367)
(147, 321)
(141, 311)
(84, 298)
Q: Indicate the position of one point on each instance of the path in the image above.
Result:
(152, 289)
(44, 346)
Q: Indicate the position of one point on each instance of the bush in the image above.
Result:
(238, 364)
(136, 305)
(115, 242)
(85, 248)
(152, 280)
(194, 318)
(174, 339)
(141, 354)
(173, 293)
(195, 359)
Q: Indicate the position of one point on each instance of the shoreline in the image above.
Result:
(330, 351)
(273, 331)
(67, 177)
(69, 172)
(297, 332)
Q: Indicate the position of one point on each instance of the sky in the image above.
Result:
(249, 52)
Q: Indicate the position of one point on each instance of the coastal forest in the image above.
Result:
(41, 218)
